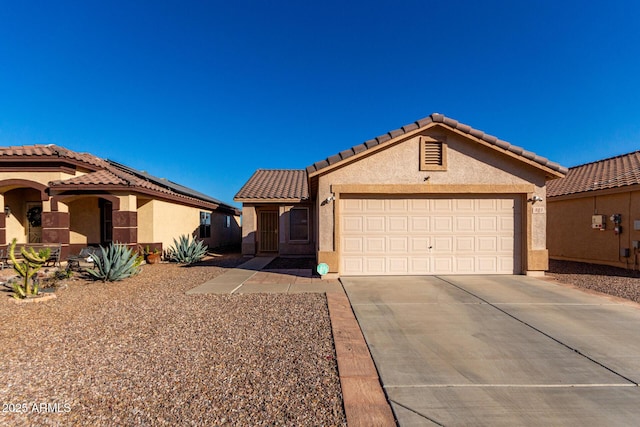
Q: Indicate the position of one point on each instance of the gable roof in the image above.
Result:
(275, 185)
(439, 119)
(614, 172)
(107, 174)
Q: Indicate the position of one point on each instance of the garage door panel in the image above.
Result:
(375, 265)
(420, 245)
(442, 224)
(464, 244)
(419, 205)
(352, 224)
(374, 205)
(398, 265)
(419, 224)
(398, 205)
(398, 245)
(375, 244)
(442, 205)
(443, 244)
(464, 224)
(420, 265)
(465, 264)
(437, 235)
(462, 205)
(487, 224)
(374, 224)
(487, 244)
(398, 224)
(487, 264)
(354, 265)
(351, 205)
(442, 265)
(353, 245)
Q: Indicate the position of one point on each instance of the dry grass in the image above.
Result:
(141, 352)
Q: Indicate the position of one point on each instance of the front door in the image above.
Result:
(268, 231)
(34, 222)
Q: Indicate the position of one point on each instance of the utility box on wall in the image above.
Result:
(599, 222)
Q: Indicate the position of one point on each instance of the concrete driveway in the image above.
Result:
(499, 350)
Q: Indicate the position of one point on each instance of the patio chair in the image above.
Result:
(87, 255)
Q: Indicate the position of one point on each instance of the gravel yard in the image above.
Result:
(609, 280)
(141, 352)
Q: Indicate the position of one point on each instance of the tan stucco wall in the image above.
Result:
(572, 238)
(249, 227)
(40, 177)
(84, 221)
(168, 221)
(471, 168)
(161, 222)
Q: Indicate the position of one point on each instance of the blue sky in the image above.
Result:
(205, 92)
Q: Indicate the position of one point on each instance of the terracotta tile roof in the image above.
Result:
(48, 152)
(446, 121)
(108, 173)
(275, 184)
(604, 174)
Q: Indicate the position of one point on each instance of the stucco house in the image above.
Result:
(433, 197)
(49, 194)
(594, 212)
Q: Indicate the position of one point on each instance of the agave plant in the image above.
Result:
(187, 251)
(117, 262)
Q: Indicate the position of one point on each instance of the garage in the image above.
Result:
(426, 234)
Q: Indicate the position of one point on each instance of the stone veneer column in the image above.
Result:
(125, 227)
(3, 222)
(55, 229)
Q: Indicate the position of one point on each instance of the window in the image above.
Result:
(227, 222)
(205, 225)
(433, 154)
(299, 224)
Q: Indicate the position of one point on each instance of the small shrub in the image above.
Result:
(187, 251)
(117, 262)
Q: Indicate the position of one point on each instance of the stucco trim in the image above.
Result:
(22, 183)
(271, 201)
(521, 155)
(428, 188)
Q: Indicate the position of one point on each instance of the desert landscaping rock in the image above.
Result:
(141, 352)
(618, 282)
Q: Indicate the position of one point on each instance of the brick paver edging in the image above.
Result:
(364, 401)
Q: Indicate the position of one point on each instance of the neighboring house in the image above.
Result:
(49, 194)
(594, 212)
(434, 197)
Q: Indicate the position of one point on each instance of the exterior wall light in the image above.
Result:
(535, 198)
(7, 211)
(328, 200)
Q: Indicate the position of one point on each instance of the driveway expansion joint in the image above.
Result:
(633, 382)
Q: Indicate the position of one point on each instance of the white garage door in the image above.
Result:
(435, 235)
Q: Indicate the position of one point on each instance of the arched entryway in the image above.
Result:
(21, 215)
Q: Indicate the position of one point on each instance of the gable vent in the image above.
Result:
(433, 155)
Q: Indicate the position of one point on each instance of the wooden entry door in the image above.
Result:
(268, 230)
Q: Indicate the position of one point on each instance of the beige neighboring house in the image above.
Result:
(433, 197)
(594, 212)
(49, 194)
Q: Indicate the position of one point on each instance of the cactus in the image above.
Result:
(33, 261)
(187, 251)
(117, 262)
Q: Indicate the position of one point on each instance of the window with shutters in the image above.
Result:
(433, 154)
